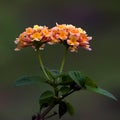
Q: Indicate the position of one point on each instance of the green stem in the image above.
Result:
(41, 64)
(67, 94)
(63, 60)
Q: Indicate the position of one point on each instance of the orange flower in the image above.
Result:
(29, 31)
(21, 36)
(74, 31)
(63, 26)
(73, 40)
(46, 32)
(53, 36)
(53, 39)
(83, 37)
(62, 34)
(21, 44)
(37, 36)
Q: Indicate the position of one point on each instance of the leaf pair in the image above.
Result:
(72, 79)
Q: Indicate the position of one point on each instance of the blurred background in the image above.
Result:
(101, 20)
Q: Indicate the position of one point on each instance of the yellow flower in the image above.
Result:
(81, 30)
(37, 27)
(73, 40)
(62, 34)
(74, 31)
(46, 32)
(36, 36)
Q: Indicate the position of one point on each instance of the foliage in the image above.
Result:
(63, 85)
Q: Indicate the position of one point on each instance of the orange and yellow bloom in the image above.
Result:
(38, 36)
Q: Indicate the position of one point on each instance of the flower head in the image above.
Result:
(38, 36)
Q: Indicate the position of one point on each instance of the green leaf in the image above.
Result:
(62, 109)
(101, 91)
(46, 98)
(89, 82)
(64, 89)
(66, 80)
(70, 108)
(77, 77)
(81, 79)
(28, 80)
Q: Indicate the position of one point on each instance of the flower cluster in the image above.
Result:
(38, 36)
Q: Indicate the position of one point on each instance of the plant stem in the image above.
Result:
(55, 113)
(63, 60)
(42, 116)
(41, 64)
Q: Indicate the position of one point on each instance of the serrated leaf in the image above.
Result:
(77, 77)
(46, 98)
(70, 108)
(101, 91)
(28, 80)
(62, 109)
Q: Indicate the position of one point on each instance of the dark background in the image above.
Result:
(101, 20)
